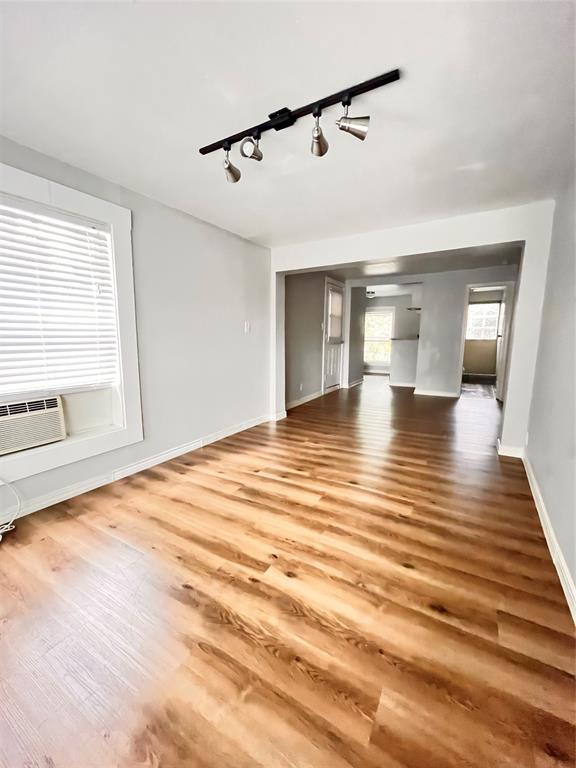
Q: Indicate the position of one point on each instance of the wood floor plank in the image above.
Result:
(365, 584)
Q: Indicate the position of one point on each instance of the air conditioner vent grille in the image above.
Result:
(29, 406)
(29, 423)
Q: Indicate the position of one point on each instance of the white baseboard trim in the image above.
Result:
(63, 494)
(515, 451)
(435, 393)
(152, 461)
(278, 416)
(562, 569)
(303, 400)
(403, 384)
(212, 438)
(353, 383)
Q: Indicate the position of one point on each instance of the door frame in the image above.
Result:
(509, 287)
(329, 281)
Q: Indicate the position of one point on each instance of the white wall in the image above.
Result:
(444, 303)
(195, 285)
(277, 388)
(358, 305)
(481, 297)
(551, 450)
(531, 224)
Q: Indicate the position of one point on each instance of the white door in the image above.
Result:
(333, 334)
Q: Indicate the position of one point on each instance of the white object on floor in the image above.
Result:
(7, 526)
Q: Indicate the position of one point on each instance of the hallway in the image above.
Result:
(364, 584)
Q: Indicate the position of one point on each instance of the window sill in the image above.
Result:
(82, 445)
(41, 394)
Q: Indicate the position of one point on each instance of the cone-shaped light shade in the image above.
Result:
(251, 149)
(357, 126)
(232, 173)
(319, 145)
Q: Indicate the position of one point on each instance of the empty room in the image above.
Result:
(287, 384)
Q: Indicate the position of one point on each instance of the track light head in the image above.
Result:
(356, 126)
(233, 174)
(250, 148)
(319, 145)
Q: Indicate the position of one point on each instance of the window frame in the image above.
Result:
(482, 304)
(127, 429)
(379, 311)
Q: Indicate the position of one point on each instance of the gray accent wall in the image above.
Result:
(304, 307)
(195, 286)
(356, 339)
(551, 448)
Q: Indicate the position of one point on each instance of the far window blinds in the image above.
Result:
(58, 324)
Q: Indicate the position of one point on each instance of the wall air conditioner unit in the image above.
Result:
(28, 423)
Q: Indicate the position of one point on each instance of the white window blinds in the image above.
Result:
(58, 324)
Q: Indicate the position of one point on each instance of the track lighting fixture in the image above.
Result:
(250, 147)
(233, 174)
(319, 145)
(357, 126)
(284, 118)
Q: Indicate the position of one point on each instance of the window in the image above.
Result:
(377, 334)
(482, 321)
(67, 317)
(335, 306)
(58, 324)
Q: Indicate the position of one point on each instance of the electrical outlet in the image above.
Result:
(247, 327)
(301, 387)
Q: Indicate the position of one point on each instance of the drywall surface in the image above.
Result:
(551, 446)
(356, 338)
(304, 305)
(503, 225)
(277, 345)
(444, 302)
(403, 362)
(480, 356)
(195, 286)
(482, 297)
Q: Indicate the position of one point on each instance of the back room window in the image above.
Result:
(482, 321)
(377, 335)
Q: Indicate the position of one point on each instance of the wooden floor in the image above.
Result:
(363, 584)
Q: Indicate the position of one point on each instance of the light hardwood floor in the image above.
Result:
(364, 584)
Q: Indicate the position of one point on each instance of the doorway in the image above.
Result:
(486, 341)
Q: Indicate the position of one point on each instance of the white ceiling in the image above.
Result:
(425, 263)
(482, 118)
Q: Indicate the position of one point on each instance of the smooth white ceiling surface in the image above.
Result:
(425, 263)
(482, 118)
